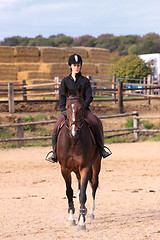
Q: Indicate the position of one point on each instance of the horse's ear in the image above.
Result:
(79, 92)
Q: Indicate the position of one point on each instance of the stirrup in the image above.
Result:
(108, 150)
(105, 154)
(49, 158)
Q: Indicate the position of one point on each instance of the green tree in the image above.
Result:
(131, 66)
(107, 41)
(85, 41)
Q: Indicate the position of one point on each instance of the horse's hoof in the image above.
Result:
(71, 223)
(92, 216)
(81, 228)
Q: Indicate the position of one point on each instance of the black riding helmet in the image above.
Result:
(75, 58)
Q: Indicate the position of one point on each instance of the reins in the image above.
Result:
(78, 120)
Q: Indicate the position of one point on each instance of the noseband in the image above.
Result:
(76, 121)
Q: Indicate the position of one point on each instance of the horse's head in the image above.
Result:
(75, 114)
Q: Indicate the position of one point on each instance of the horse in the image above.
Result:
(77, 152)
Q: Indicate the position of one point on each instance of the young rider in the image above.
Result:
(72, 83)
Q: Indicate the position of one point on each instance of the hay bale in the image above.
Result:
(89, 69)
(49, 55)
(98, 55)
(26, 52)
(5, 59)
(30, 75)
(23, 59)
(59, 70)
(6, 54)
(78, 50)
(6, 51)
(28, 67)
(103, 70)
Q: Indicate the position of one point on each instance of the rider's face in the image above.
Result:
(76, 68)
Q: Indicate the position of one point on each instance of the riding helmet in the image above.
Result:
(75, 58)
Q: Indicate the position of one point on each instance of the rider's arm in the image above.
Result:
(88, 94)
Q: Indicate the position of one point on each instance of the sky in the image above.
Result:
(30, 18)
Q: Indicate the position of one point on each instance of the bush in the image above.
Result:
(131, 67)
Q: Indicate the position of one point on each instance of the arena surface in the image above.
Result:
(33, 205)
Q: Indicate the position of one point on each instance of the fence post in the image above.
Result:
(149, 81)
(136, 125)
(11, 97)
(120, 97)
(91, 79)
(57, 81)
(24, 92)
(20, 132)
(145, 82)
(114, 87)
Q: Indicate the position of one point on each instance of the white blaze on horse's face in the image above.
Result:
(73, 130)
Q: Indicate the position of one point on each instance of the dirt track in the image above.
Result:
(33, 204)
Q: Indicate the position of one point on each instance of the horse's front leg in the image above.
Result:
(83, 197)
(69, 192)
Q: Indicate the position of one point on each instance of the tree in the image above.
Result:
(85, 41)
(131, 66)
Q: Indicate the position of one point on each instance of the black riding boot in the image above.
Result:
(54, 141)
(101, 147)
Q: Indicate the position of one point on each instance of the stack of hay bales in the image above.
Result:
(6, 54)
(52, 55)
(8, 72)
(34, 77)
(75, 50)
(101, 57)
(26, 54)
(43, 64)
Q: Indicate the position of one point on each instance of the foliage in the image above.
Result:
(131, 66)
(124, 45)
(29, 127)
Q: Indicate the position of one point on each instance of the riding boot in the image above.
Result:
(53, 158)
(100, 144)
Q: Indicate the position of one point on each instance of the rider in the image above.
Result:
(72, 83)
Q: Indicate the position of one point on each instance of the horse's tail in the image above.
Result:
(90, 174)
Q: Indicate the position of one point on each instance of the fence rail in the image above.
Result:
(135, 129)
(104, 90)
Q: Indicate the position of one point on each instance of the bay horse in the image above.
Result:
(78, 153)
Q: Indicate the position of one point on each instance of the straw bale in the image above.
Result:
(98, 55)
(28, 66)
(6, 51)
(30, 75)
(89, 69)
(26, 59)
(103, 69)
(7, 66)
(44, 67)
(78, 50)
(49, 55)
(6, 59)
(8, 77)
(59, 69)
(26, 51)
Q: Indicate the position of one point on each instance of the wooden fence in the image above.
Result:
(135, 129)
(104, 90)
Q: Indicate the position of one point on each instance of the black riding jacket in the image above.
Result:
(68, 84)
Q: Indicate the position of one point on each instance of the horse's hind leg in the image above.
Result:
(69, 192)
(94, 184)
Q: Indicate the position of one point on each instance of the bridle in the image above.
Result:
(77, 120)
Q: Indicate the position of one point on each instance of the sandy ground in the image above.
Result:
(33, 205)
